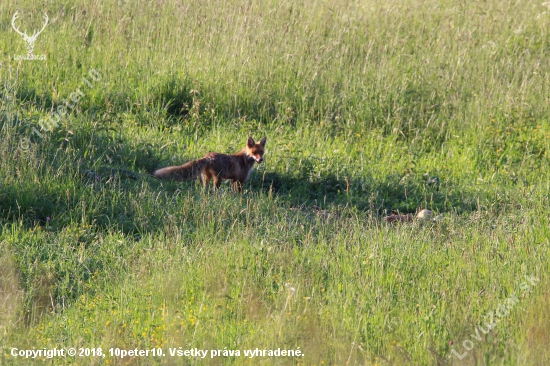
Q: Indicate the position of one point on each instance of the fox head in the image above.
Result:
(254, 150)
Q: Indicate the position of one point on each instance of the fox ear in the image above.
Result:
(263, 142)
(250, 142)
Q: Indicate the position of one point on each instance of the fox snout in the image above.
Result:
(259, 159)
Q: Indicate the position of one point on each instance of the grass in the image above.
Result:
(368, 108)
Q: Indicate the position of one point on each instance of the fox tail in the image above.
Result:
(188, 171)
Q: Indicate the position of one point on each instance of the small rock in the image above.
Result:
(424, 215)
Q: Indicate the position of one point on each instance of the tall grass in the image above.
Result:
(368, 108)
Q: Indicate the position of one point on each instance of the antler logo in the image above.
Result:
(29, 39)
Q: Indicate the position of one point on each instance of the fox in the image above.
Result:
(217, 167)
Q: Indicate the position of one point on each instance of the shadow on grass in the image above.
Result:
(365, 193)
(76, 178)
(175, 97)
(102, 173)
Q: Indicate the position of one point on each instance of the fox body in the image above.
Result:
(216, 167)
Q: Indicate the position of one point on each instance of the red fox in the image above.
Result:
(216, 167)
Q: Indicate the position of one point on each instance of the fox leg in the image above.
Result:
(205, 177)
(238, 186)
(217, 182)
(210, 175)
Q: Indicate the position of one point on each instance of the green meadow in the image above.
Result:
(369, 108)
